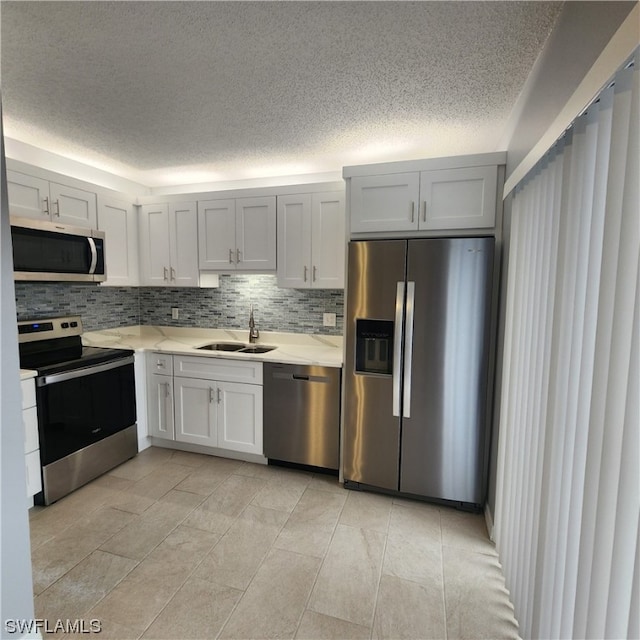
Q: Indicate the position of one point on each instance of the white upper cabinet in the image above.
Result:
(385, 203)
(442, 199)
(256, 234)
(169, 245)
(33, 197)
(237, 234)
(311, 240)
(458, 198)
(119, 222)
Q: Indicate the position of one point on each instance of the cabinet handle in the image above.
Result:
(161, 364)
(237, 256)
(231, 256)
(46, 205)
(219, 395)
(305, 272)
(424, 210)
(166, 273)
(57, 211)
(173, 274)
(166, 390)
(210, 395)
(315, 269)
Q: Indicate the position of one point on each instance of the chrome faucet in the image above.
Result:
(254, 334)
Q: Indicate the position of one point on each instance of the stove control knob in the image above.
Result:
(74, 324)
(65, 325)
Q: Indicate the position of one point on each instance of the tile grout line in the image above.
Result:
(384, 553)
(313, 586)
(237, 604)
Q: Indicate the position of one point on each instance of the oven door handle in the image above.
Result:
(85, 371)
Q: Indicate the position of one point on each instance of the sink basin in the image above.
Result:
(237, 347)
(256, 349)
(223, 346)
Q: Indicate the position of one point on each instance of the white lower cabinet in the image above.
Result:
(31, 439)
(195, 411)
(212, 402)
(240, 417)
(160, 406)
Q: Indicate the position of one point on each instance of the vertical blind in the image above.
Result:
(568, 488)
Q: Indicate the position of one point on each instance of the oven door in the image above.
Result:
(81, 407)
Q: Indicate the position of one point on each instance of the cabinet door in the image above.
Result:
(217, 234)
(458, 198)
(155, 256)
(256, 234)
(183, 239)
(294, 241)
(196, 404)
(118, 220)
(240, 417)
(34, 478)
(73, 206)
(385, 202)
(30, 423)
(28, 196)
(160, 406)
(328, 242)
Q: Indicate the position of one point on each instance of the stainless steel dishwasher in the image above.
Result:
(302, 414)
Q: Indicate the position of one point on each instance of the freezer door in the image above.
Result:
(372, 365)
(446, 383)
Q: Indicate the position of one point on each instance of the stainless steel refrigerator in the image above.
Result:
(418, 323)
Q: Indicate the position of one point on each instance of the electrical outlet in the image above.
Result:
(328, 319)
(175, 313)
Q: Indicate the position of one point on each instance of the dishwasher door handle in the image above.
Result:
(303, 377)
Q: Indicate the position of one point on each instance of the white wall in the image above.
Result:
(16, 592)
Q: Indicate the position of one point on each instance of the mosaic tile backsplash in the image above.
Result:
(275, 309)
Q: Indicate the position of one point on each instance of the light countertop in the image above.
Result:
(291, 348)
(25, 374)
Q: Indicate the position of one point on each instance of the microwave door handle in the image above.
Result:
(397, 348)
(94, 255)
(408, 348)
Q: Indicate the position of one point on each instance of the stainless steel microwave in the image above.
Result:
(56, 252)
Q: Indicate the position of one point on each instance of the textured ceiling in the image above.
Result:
(184, 92)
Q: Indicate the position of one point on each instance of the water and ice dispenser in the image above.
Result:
(374, 346)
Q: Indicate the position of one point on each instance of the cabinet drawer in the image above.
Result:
(28, 393)
(160, 363)
(218, 369)
(30, 421)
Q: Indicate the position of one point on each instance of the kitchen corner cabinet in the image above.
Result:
(169, 245)
(459, 198)
(31, 439)
(32, 197)
(119, 222)
(237, 234)
(311, 241)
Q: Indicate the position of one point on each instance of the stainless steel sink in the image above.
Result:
(223, 346)
(256, 349)
(237, 347)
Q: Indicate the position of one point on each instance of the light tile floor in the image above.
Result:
(182, 545)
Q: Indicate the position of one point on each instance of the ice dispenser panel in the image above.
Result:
(374, 346)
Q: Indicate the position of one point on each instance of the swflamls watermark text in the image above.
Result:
(42, 625)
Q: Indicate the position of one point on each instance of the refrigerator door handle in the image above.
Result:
(397, 348)
(408, 348)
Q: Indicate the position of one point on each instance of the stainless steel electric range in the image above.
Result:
(86, 404)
